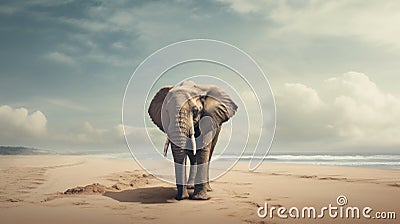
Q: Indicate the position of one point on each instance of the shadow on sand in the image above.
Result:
(150, 195)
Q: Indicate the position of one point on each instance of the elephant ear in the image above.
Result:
(218, 104)
(156, 105)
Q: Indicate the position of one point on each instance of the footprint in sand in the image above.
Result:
(80, 203)
(240, 196)
(223, 208)
(14, 200)
(308, 176)
(332, 178)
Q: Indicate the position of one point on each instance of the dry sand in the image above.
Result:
(83, 189)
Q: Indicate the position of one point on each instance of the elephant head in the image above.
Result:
(178, 110)
(191, 115)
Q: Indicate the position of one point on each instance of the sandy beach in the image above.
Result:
(34, 189)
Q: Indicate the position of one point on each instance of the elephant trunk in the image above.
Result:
(181, 131)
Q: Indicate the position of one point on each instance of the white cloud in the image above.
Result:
(122, 18)
(371, 21)
(119, 46)
(301, 114)
(136, 135)
(60, 57)
(309, 98)
(20, 124)
(8, 10)
(368, 113)
(66, 104)
(20, 127)
(89, 25)
(243, 6)
(104, 19)
(85, 135)
(347, 111)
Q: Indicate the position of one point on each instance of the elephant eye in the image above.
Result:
(195, 111)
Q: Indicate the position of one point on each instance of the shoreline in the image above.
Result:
(394, 163)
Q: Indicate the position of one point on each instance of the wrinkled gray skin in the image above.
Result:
(178, 111)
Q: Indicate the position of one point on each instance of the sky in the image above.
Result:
(333, 67)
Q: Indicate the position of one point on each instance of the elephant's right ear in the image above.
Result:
(156, 105)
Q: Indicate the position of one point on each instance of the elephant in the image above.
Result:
(191, 115)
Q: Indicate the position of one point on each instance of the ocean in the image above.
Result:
(371, 161)
(385, 161)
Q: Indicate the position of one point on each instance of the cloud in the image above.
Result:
(60, 57)
(300, 114)
(243, 6)
(87, 136)
(88, 25)
(123, 19)
(7, 10)
(370, 21)
(136, 135)
(19, 124)
(367, 113)
(64, 103)
(345, 111)
(21, 127)
(309, 98)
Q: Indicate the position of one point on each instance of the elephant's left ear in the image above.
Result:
(218, 104)
(156, 105)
